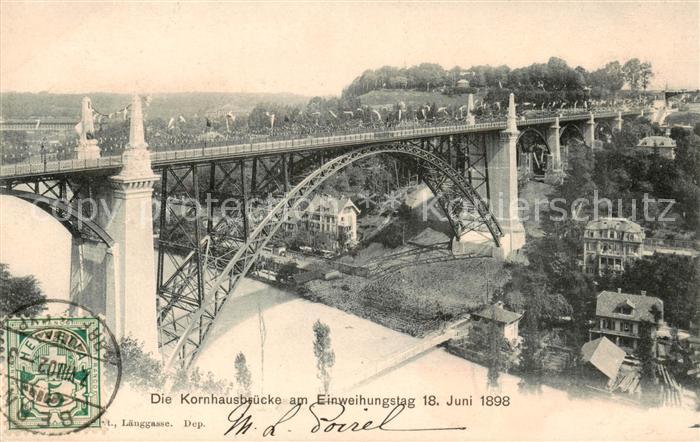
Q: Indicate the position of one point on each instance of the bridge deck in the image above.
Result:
(203, 154)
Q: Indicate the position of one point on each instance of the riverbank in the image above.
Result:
(414, 299)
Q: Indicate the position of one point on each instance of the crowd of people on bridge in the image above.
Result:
(273, 124)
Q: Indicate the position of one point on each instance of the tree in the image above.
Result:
(531, 356)
(243, 378)
(495, 353)
(675, 279)
(17, 292)
(637, 74)
(325, 356)
(648, 380)
(631, 71)
(645, 75)
(608, 79)
(287, 271)
(138, 368)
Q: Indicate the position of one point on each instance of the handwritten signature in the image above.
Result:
(241, 421)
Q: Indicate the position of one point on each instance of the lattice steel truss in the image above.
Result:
(473, 163)
(179, 235)
(188, 310)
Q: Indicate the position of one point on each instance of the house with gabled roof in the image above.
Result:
(619, 317)
(506, 320)
(327, 217)
(665, 146)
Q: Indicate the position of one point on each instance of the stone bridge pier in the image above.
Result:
(501, 156)
(555, 171)
(119, 280)
(589, 132)
(617, 122)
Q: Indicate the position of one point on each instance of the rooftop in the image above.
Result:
(604, 355)
(618, 224)
(332, 204)
(656, 140)
(607, 302)
(498, 313)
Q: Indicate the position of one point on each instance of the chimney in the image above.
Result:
(619, 290)
(644, 292)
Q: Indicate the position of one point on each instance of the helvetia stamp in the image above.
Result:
(53, 373)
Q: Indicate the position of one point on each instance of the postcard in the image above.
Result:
(352, 221)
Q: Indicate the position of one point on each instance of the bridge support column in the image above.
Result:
(618, 122)
(501, 155)
(554, 174)
(131, 310)
(589, 132)
(470, 110)
(90, 275)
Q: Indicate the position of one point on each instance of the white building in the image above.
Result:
(619, 317)
(506, 320)
(609, 244)
(329, 222)
(666, 146)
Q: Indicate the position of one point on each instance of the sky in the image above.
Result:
(317, 49)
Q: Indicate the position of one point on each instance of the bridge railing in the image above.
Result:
(320, 142)
(59, 166)
(205, 150)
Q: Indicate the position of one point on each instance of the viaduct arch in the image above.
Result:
(572, 127)
(71, 218)
(182, 330)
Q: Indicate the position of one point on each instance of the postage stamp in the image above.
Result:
(59, 371)
(53, 373)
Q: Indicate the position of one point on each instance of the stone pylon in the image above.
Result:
(87, 148)
(617, 122)
(555, 173)
(470, 109)
(501, 157)
(512, 125)
(503, 179)
(132, 311)
(589, 131)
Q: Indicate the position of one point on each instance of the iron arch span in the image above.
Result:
(184, 319)
(68, 216)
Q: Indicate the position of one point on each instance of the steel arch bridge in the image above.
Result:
(186, 314)
(460, 163)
